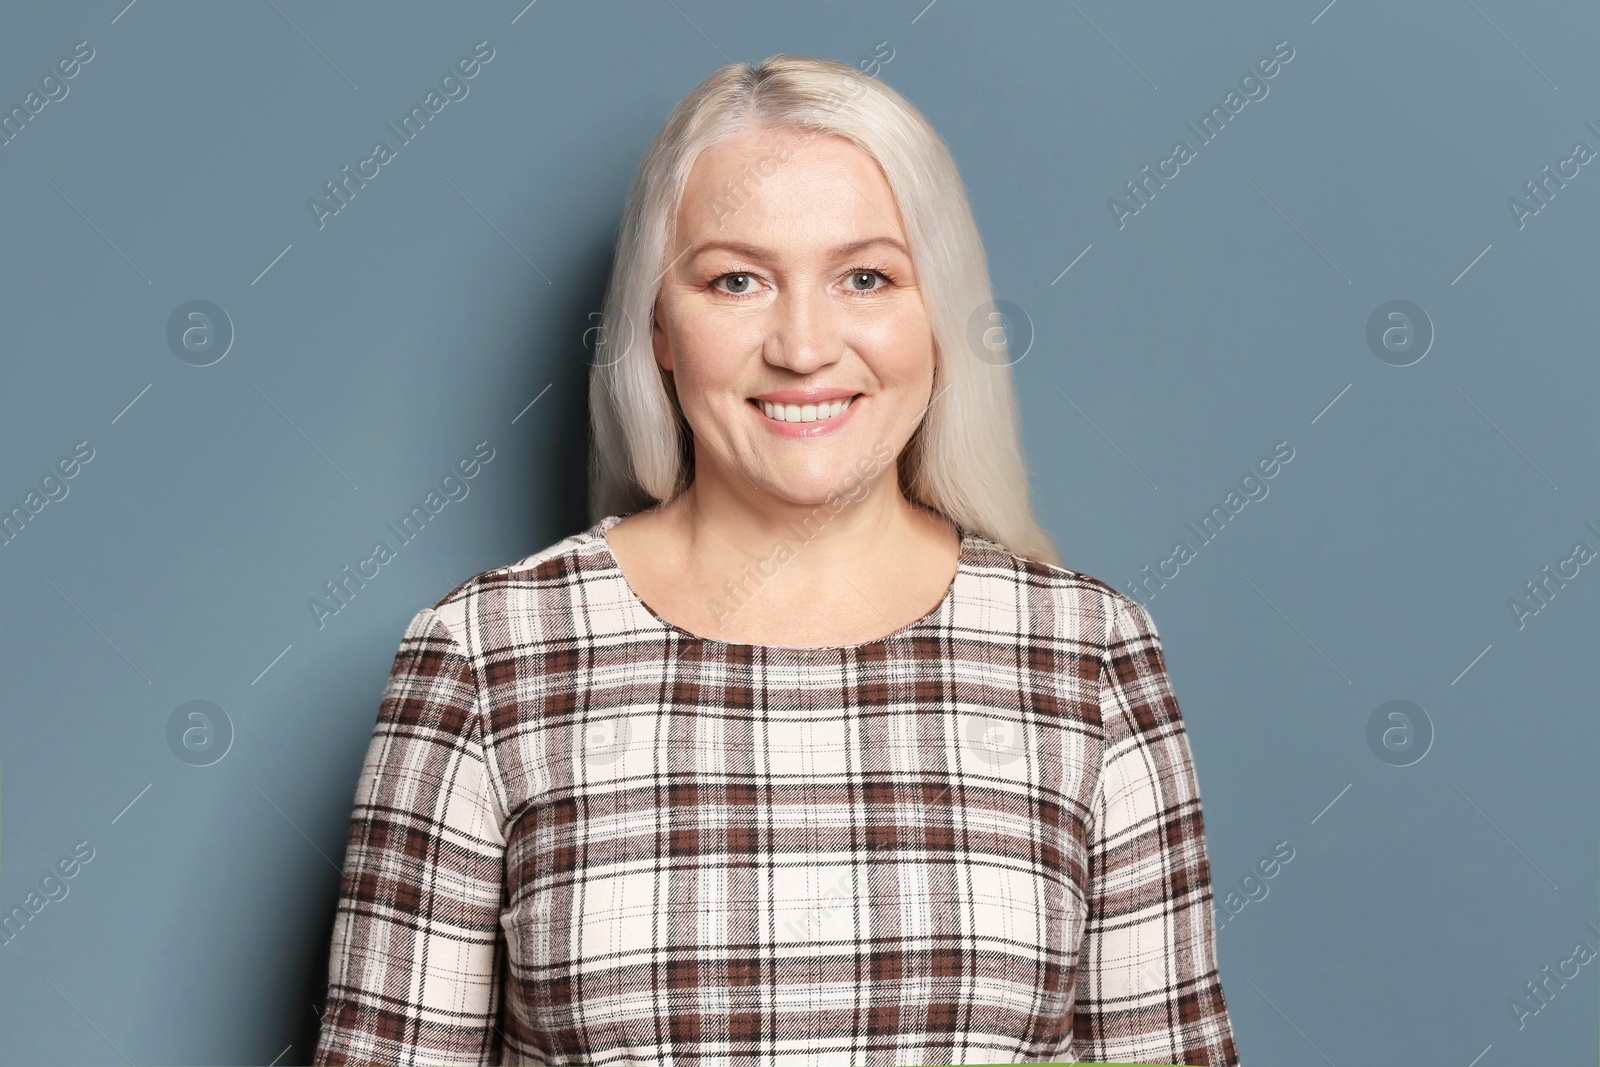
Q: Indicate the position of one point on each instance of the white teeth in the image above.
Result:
(805, 412)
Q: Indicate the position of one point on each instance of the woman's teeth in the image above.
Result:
(805, 412)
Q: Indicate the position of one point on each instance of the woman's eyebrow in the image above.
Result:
(757, 252)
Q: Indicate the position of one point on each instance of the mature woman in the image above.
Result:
(818, 755)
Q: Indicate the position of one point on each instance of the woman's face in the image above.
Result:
(792, 283)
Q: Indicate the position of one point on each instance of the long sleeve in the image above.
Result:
(417, 943)
(1149, 990)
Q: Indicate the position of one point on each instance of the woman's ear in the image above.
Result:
(658, 339)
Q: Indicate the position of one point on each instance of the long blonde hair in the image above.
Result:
(965, 458)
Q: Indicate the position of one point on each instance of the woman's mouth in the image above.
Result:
(805, 420)
(805, 412)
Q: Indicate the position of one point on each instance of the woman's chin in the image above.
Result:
(832, 491)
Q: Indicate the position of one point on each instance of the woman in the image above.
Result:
(817, 755)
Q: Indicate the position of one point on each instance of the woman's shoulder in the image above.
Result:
(1006, 576)
(521, 585)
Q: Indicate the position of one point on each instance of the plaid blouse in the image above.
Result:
(583, 835)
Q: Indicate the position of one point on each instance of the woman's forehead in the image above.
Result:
(828, 189)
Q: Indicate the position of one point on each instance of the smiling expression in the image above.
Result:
(791, 319)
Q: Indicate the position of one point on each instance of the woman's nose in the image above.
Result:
(804, 333)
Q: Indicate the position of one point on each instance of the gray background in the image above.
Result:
(1225, 317)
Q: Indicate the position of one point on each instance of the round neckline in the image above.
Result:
(963, 559)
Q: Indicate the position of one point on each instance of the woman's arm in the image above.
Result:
(1148, 988)
(417, 943)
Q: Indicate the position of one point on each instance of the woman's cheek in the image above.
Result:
(719, 342)
(901, 343)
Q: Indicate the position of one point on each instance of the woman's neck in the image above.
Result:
(739, 567)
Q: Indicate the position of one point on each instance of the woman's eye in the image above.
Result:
(739, 284)
(866, 276)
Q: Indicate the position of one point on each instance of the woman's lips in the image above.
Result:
(816, 428)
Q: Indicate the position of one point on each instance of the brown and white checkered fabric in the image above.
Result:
(584, 836)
